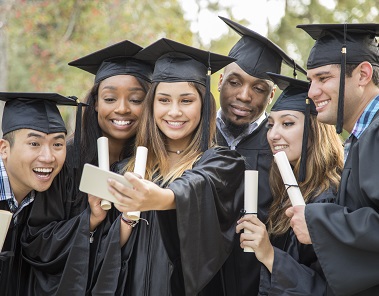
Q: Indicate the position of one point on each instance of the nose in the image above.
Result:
(175, 110)
(273, 134)
(46, 154)
(314, 91)
(122, 107)
(244, 94)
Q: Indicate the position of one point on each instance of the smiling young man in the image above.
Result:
(33, 150)
(245, 92)
(345, 235)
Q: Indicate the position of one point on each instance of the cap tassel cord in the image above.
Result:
(78, 133)
(304, 147)
(341, 93)
(206, 111)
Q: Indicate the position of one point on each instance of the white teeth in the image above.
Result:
(43, 170)
(122, 122)
(322, 103)
(281, 147)
(175, 123)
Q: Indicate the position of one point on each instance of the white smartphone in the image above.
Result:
(95, 181)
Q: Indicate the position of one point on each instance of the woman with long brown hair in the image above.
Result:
(187, 197)
(290, 268)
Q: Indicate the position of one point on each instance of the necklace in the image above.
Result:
(177, 151)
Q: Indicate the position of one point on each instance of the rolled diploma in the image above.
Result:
(251, 197)
(288, 177)
(103, 159)
(139, 169)
(5, 220)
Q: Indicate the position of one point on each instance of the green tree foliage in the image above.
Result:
(43, 36)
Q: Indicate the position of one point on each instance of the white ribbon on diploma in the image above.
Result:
(103, 159)
(139, 169)
(289, 179)
(251, 197)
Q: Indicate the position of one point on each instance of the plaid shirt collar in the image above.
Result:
(6, 193)
(362, 123)
(233, 142)
(366, 117)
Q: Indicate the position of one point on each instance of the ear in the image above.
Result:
(220, 81)
(272, 94)
(4, 148)
(365, 73)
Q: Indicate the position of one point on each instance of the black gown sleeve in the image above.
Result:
(295, 268)
(206, 215)
(344, 235)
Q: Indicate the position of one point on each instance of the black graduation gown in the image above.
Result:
(344, 235)
(56, 239)
(56, 245)
(181, 250)
(296, 270)
(241, 271)
(13, 270)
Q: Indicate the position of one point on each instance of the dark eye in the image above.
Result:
(234, 83)
(187, 101)
(109, 100)
(34, 144)
(163, 100)
(269, 125)
(287, 124)
(136, 101)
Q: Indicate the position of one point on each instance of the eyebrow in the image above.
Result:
(319, 74)
(182, 95)
(284, 115)
(288, 114)
(29, 135)
(60, 136)
(111, 87)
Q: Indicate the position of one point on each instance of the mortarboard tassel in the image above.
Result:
(206, 111)
(341, 93)
(304, 147)
(294, 70)
(78, 132)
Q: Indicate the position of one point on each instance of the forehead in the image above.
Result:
(175, 87)
(27, 133)
(234, 70)
(119, 79)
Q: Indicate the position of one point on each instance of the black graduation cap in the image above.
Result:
(177, 62)
(295, 97)
(37, 111)
(256, 54)
(342, 44)
(117, 59)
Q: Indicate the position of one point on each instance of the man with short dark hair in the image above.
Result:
(33, 150)
(245, 92)
(343, 71)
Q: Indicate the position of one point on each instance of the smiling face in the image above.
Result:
(243, 98)
(119, 106)
(177, 112)
(33, 161)
(324, 90)
(285, 133)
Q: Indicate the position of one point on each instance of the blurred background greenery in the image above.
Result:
(38, 38)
